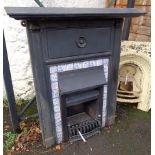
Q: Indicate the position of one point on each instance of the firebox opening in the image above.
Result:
(89, 108)
(126, 86)
(82, 111)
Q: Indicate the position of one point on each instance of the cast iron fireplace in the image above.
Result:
(75, 58)
(79, 97)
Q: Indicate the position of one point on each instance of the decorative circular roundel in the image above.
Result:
(81, 42)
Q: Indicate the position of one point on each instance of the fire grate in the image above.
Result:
(87, 128)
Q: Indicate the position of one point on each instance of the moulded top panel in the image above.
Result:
(39, 13)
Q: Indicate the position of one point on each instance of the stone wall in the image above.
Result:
(141, 26)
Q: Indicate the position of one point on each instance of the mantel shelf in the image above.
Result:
(31, 13)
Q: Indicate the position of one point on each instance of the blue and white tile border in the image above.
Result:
(55, 69)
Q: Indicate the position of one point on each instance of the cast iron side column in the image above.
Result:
(113, 76)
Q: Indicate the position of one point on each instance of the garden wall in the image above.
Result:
(141, 26)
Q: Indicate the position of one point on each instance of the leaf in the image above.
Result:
(117, 130)
(22, 124)
(6, 126)
(9, 153)
(19, 145)
(37, 130)
(58, 147)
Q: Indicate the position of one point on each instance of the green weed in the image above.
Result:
(9, 140)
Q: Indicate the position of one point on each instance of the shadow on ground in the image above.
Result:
(130, 135)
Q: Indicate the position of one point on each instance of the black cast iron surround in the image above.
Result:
(47, 29)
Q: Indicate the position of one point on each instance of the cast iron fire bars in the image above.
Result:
(66, 40)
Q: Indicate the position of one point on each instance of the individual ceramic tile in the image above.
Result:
(106, 61)
(104, 103)
(59, 136)
(56, 102)
(64, 67)
(59, 139)
(58, 124)
(99, 62)
(85, 64)
(57, 115)
(91, 63)
(53, 69)
(58, 120)
(61, 68)
(106, 76)
(69, 67)
(59, 129)
(105, 88)
(77, 65)
(55, 94)
(104, 100)
(56, 109)
(104, 114)
(105, 94)
(54, 77)
(94, 63)
(105, 68)
(55, 86)
(103, 122)
(104, 109)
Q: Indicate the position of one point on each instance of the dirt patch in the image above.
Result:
(131, 134)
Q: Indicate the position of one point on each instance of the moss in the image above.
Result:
(5, 102)
(20, 104)
(138, 114)
(126, 115)
(31, 110)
